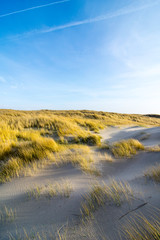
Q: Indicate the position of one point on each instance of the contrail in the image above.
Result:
(32, 8)
(118, 13)
(121, 12)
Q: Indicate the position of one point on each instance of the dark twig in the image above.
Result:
(142, 205)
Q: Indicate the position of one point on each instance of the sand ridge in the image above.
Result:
(54, 213)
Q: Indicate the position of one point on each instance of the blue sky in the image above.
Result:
(80, 54)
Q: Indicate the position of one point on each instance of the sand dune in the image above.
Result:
(53, 213)
(148, 136)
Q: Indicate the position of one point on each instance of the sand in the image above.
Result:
(53, 213)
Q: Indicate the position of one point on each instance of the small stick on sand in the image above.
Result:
(142, 205)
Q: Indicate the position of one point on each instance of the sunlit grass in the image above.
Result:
(126, 148)
(23, 153)
(77, 155)
(28, 138)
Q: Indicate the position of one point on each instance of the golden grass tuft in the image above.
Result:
(126, 148)
(24, 153)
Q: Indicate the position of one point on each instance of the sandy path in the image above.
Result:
(53, 213)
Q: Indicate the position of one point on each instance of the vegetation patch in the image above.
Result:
(7, 214)
(114, 193)
(30, 137)
(142, 228)
(153, 173)
(33, 234)
(90, 140)
(126, 148)
(62, 189)
(153, 149)
(78, 156)
(24, 153)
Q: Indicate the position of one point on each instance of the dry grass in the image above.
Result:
(141, 228)
(153, 149)
(153, 173)
(37, 235)
(27, 137)
(7, 214)
(114, 193)
(23, 153)
(77, 155)
(105, 146)
(108, 158)
(28, 157)
(58, 189)
(126, 148)
(104, 157)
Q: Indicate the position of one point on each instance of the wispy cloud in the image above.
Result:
(32, 8)
(120, 12)
(153, 71)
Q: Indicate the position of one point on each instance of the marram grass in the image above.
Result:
(58, 189)
(27, 137)
(126, 148)
(23, 153)
(153, 173)
(7, 214)
(114, 193)
(142, 228)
